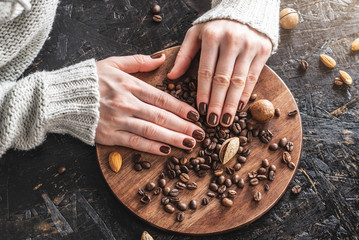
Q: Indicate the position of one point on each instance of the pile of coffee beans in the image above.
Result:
(138, 164)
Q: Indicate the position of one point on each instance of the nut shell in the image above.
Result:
(347, 79)
(355, 45)
(262, 110)
(288, 18)
(328, 61)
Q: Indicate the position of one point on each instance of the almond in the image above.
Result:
(355, 45)
(347, 79)
(229, 149)
(115, 161)
(327, 61)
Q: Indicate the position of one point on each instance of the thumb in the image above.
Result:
(138, 63)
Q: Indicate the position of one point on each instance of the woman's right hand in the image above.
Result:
(137, 115)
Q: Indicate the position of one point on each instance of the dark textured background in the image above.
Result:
(40, 204)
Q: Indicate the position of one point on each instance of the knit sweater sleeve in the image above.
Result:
(62, 101)
(262, 15)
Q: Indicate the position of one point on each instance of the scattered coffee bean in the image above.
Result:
(174, 200)
(213, 187)
(273, 146)
(184, 169)
(271, 175)
(137, 167)
(180, 216)
(162, 175)
(277, 112)
(180, 185)
(303, 65)
(61, 169)
(169, 208)
(204, 166)
(241, 159)
(174, 192)
(237, 166)
(145, 199)
(292, 113)
(227, 202)
(221, 179)
(146, 165)
(218, 172)
(265, 163)
(257, 196)
(174, 160)
(184, 161)
(192, 186)
(166, 191)
(165, 201)
(262, 170)
(283, 142)
(240, 184)
(156, 8)
(157, 18)
(162, 182)
(229, 171)
(157, 191)
(232, 193)
(252, 174)
(289, 146)
(291, 165)
(266, 136)
(222, 189)
(273, 167)
(254, 181)
(286, 157)
(182, 206)
(253, 97)
(141, 191)
(228, 182)
(296, 189)
(338, 81)
(211, 194)
(266, 187)
(150, 186)
(235, 178)
(193, 204)
(205, 201)
(184, 177)
(136, 158)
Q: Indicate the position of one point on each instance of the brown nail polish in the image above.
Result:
(198, 135)
(240, 106)
(226, 119)
(188, 142)
(165, 149)
(202, 108)
(193, 116)
(156, 55)
(213, 119)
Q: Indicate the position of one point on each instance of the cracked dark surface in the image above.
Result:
(327, 207)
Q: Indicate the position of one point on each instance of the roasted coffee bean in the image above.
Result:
(192, 186)
(218, 148)
(188, 151)
(291, 165)
(169, 208)
(174, 160)
(184, 161)
(246, 152)
(222, 189)
(243, 140)
(236, 128)
(266, 136)
(205, 201)
(213, 187)
(227, 202)
(170, 166)
(255, 132)
(229, 170)
(232, 193)
(286, 157)
(235, 178)
(214, 157)
(211, 194)
(208, 151)
(265, 163)
(212, 146)
(193, 204)
(145, 199)
(252, 174)
(221, 179)
(243, 114)
(237, 167)
(257, 196)
(243, 132)
(202, 173)
(273, 146)
(241, 159)
(192, 86)
(136, 158)
(150, 186)
(218, 172)
(174, 192)
(171, 174)
(228, 182)
(206, 142)
(222, 134)
(271, 175)
(146, 165)
(204, 167)
(177, 167)
(184, 169)
(165, 201)
(253, 97)
(242, 124)
(249, 136)
(156, 8)
(141, 191)
(178, 172)
(157, 191)
(277, 112)
(283, 142)
(215, 165)
(166, 191)
(201, 153)
(162, 175)
(137, 167)
(201, 160)
(174, 200)
(182, 206)
(162, 182)
(157, 18)
(180, 217)
(196, 168)
(194, 161)
(266, 187)
(262, 170)
(184, 177)
(180, 185)
(296, 189)
(273, 167)
(292, 113)
(240, 184)
(261, 177)
(254, 181)
(289, 147)
(208, 159)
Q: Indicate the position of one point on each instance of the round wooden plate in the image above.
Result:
(213, 218)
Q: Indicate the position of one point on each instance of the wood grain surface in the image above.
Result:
(213, 218)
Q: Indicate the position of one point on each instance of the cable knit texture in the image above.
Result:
(63, 101)
(262, 15)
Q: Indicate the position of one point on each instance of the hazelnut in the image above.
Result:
(262, 110)
(288, 18)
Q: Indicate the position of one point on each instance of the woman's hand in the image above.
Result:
(134, 114)
(232, 58)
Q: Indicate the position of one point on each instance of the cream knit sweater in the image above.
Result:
(67, 100)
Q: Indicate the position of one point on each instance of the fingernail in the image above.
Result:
(193, 116)
(212, 119)
(240, 106)
(226, 119)
(198, 135)
(202, 108)
(188, 142)
(156, 55)
(165, 149)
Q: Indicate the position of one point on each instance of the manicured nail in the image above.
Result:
(188, 142)
(226, 119)
(165, 149)
(198, 135)
(240, 106)
(202, 108)
(212, 119)
(156, 55)
(193, 116)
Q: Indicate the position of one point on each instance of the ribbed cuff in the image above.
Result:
(71, 99)
(262, 15)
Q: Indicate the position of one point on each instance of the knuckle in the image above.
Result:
(134, 141)
(238, 81)
(161, 100)
(231, 106)
(205, 74)
(183, 55)
(161, 118)
(252, 79)
(149, 131)
(221, 80)
(233, 38)
(139, 59)
(210, 34)
(265, 49)
(246, 95)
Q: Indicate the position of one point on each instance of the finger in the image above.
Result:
(139, 143)
(238, 81)
(187, 52)
(169, 120)
(138, 63)
(157, 133)
(207, 64)
(220, 84)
